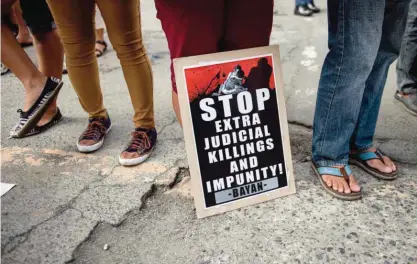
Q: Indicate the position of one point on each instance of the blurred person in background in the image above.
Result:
(406, 95)
(305, 8)
(101, 44)
(23, 35)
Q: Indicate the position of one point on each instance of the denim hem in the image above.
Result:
(361, 149)
(331, 163)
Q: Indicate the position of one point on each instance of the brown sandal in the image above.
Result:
(361, 159)
(340, 172)
(99, 52)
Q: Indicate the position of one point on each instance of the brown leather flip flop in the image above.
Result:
(101, 52)
(339, 172)
(361, 159)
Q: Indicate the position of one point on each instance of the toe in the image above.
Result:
(335, 185)
(327, 180)
(340, 185)
(379, 165)
(353, 184)
(346, 188)
(390, 163)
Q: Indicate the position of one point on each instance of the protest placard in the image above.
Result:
(235, 128)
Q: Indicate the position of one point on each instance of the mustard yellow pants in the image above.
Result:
(75, 22)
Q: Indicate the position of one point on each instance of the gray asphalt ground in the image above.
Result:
(67, 206)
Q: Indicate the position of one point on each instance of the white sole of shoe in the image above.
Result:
(135, 161)
(92, 148)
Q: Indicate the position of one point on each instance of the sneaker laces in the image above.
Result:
(94, 130)
(140, 142)
(22, 114)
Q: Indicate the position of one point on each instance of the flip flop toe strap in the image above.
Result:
(102, 42)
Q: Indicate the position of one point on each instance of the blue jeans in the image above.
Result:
(364, 39)
(407, 61)
(302, 2)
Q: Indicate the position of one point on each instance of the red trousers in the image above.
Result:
(196, 27)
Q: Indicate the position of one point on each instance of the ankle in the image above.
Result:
(51, 111)
(35, 82)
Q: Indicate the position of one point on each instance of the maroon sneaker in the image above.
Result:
(93, 136)
(139, 148)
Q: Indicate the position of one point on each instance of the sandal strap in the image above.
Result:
(380, 155)
(370, 155)
(340, 172)
(102, 42)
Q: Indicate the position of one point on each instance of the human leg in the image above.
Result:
(390, 44)
(74, 19)
(355, 29)
(49, 50)
(101, 45)
(406, 95)
(23, 37)
(186, 35)
(125, 34)
(124, 29)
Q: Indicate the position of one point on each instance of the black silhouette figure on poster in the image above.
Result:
(259, 76)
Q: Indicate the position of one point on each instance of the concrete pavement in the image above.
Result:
(67, 206)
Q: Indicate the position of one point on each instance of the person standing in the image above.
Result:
(364, 39)
(305, 8)
(40, 111)
(100, 26)
(406, 95)
(23, 36)
(74, 19)
(227, 25)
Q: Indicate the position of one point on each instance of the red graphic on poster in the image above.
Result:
(205, 80)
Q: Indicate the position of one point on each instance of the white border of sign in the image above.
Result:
(197, 186)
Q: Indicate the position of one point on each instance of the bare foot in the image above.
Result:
(48, 115)
(339, 183)
(24, 37)
(33, 90)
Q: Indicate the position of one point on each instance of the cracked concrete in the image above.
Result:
(67, 206)
(368, 231)
(56, 239)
